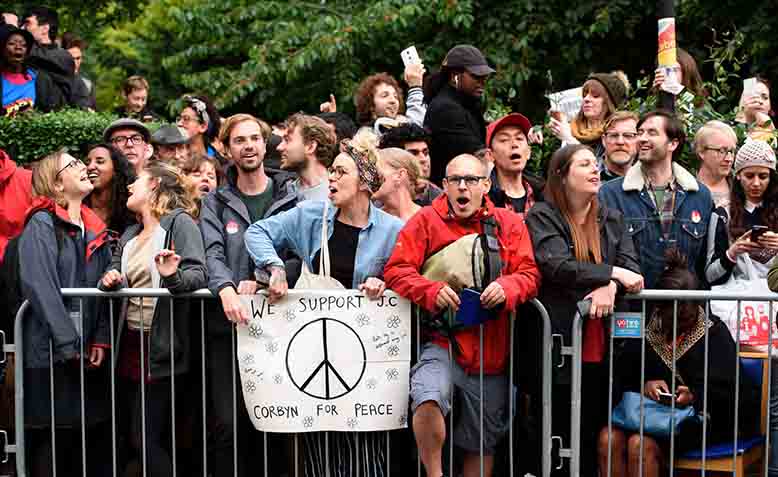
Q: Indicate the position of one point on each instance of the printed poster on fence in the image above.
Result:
(326, 360)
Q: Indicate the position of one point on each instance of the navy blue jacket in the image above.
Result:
(45, 269)
(693, 208)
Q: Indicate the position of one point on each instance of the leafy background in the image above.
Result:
(272, 58)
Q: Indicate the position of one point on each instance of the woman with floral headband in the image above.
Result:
(202, 121)
(360, 240)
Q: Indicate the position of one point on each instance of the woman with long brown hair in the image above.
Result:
(165, 250)
(583, 251)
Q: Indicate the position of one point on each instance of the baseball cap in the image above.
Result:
(170, 135)
(513, 119)
(126, 123)
(468, 57)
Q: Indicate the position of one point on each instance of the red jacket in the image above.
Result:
(433, 228)
(15, 199)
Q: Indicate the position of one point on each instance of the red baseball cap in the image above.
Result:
(513, 119)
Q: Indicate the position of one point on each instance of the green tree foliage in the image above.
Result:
(275, 57)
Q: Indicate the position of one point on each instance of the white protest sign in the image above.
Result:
(326, 360)
(568, 102)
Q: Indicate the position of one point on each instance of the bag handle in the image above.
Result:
(324, 253)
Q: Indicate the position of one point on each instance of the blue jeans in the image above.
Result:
(772, 467)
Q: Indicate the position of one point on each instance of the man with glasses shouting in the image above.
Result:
(430, 266)
(620, 138)
(131, 137)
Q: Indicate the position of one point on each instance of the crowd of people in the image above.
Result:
(397, 200)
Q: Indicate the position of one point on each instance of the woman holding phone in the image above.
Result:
(755, 110)
(744, 241)
(675, 358)
(583, 251)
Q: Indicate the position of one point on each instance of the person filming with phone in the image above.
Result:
(697, 380)
(432, 266)
(744, 242)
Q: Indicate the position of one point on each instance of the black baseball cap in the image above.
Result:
(468, 57)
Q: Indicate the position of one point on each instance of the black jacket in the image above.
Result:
(722, 362)
(48, 97)
(566, 280)
(457, 126)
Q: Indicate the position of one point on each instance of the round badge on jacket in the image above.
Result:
(231, 227)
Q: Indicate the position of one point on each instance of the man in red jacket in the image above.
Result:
(457, 213)
(15, 199)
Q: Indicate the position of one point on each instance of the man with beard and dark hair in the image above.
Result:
(246, 196)
(619, 139)
(307, 148)
(509, 151)
(663, 204)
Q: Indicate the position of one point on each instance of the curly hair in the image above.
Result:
(768, 213)
(123, 175)
(363, 98)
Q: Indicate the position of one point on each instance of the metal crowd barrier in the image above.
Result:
(18, 448)
(672, 459)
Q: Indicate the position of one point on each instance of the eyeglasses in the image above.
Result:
(337, 172)
(74, 164)
(122, 140)
(721, 151)
(470, 181)
(627, 136)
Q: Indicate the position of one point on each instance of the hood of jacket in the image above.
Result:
(92, 223)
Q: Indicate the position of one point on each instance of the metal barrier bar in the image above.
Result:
(145, 371)
(21, 461)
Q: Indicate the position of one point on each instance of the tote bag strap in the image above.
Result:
(324, 253)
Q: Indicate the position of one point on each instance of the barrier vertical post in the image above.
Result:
(575, 397)
(21, 464)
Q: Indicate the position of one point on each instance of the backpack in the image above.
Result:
(480, 265)
(11, 297)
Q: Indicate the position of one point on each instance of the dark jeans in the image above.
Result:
(40, 457)
(157, 424)
(249, 441)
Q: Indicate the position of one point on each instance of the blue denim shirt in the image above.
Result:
(299, 229)
(693, 207)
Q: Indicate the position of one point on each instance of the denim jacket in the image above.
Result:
(299, 229)
(693, 208)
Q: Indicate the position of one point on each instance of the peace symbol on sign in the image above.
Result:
(326, 359)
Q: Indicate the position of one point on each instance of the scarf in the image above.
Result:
(584, 133)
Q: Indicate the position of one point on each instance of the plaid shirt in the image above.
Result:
(666, 210)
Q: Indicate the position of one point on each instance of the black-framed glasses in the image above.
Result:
(470, 181)
(122, 140)
(627, 136)
(721, 151)
(73, 163)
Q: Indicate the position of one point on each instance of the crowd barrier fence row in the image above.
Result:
(570, 353)
(18, 448)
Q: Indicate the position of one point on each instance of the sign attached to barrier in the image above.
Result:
(627, 325)
(326, 361)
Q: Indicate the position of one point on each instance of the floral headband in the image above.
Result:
(367, 169)
(199, 107)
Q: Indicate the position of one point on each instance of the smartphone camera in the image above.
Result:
(757, 231)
